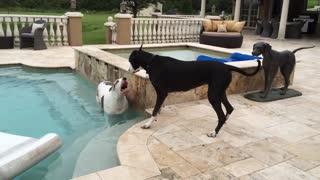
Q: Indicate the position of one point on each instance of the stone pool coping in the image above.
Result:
(54, 57)
(122, 63)
(136, 162)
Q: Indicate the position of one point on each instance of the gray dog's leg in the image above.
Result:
(266, 74)
(286, 72)
(269, 80)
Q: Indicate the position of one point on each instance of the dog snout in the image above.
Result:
(254, 53)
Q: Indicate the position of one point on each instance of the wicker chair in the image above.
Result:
(267, 29)
(35, 40)
(259, 27)
(275, 28)
(293, 29)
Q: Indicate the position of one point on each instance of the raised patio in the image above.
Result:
(277, 140)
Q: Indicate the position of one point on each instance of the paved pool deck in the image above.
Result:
(53, 57)
(275, 140)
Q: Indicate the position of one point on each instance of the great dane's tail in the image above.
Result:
(236, 69)
(294, 51)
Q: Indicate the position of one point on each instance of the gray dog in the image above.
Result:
(272, 60)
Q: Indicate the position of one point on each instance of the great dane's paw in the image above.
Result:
(145, 126)
(212, 135)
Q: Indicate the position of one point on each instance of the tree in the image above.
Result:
(186, 7)
(136, 5)
(8, 4)
(223, 5)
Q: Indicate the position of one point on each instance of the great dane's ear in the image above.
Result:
(140, 49)
(268, 46)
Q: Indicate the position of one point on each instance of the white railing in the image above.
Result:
(177, 16)
(55, 34)
(148, 30)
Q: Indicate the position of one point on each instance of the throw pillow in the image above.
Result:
(215, 25)
(36, 26)
(222, 28)
(207, 25)
(237, 27)
(229, 24)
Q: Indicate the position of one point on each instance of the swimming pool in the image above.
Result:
(182, 53)
(34, 102)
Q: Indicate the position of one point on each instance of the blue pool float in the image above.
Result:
(234, 57)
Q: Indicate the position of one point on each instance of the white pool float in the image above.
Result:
(19, 153)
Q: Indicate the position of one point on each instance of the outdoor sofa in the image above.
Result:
(223, 33)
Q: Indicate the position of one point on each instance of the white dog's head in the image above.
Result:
(120, 86)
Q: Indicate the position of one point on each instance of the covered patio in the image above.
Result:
(283, 10)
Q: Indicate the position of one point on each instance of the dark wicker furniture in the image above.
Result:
(293, 29)
(6, 42)
(267, 29)
(259, 27)
(275, 29)
(35, 40)
(222, 39)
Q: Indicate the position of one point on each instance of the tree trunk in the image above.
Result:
(135, 12)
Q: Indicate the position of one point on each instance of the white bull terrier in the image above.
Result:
(112, 96)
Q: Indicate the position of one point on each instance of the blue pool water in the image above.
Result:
(181, 53)
(34, 102)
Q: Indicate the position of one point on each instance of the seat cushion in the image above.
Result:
(30, 35)
(229, 24)
(215, 25)
(36, 26)
(207, 25)
(224, 34)
(222, 28)
(237, 27)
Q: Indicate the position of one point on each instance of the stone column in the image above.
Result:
(74, 28)
(283, 20)
(237, 10)
(123, 28)
(110, 28)
(203, 8)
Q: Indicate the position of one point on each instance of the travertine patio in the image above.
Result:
(276, 140)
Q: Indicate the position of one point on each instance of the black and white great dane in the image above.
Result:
(171, 75)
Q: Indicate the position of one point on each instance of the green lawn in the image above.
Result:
(93, 30)
(312, 3)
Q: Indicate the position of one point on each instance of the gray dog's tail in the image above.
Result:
(294, 51)
(236, 69)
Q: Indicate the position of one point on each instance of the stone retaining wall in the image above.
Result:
(100, 68)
